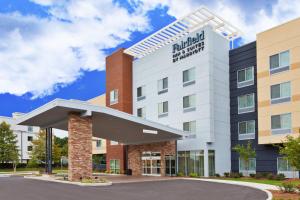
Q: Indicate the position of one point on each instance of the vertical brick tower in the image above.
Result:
(118, 78)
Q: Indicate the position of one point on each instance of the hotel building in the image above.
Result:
(179, 77)
(25, 134)
(265, 94)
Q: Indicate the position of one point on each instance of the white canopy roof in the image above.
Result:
(181, 27)
(108, 123)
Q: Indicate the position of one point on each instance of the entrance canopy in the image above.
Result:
(107, 123)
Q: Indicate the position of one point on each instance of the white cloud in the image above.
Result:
(38, 54)
(249, 21)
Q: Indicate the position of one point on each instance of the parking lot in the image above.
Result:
(14, 188)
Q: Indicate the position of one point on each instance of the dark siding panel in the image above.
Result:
(266, 155)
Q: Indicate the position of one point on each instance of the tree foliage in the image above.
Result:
(291, 151)
(245, 152)
(9, 152)
(38, 154)
(62, 144)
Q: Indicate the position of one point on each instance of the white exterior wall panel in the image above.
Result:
(211, 89)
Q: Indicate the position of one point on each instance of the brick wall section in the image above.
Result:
(118, 76)
(135, 153)
(80, 147)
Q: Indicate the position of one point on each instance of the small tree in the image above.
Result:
(245, 152)
(291, 151)
(38, 154)
(9, 152)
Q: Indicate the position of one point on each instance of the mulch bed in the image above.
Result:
(278, 195)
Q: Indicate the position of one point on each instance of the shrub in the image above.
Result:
(234, 175)
(241, 174)
(252, 175)
(287, 187)
(217, 175)
(180, 174)
(270, 176)
(280, 177)
(258, 175)
(226, 174)
(193, 175)
(265, 174)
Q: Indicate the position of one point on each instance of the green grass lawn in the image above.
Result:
(264, 181)
(27, 169)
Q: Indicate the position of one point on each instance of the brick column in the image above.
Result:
(80, 147)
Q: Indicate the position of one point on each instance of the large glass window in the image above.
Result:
(283, 165)
(113, 98)
(279, 62)
(189, 101)
(162, 85)
(281, 92)
(140, 93)
(281, 124)
(250, 167)
(114, 166)
(245, 77)
(211, 163)
(191, 162)
(246, 103)
(189, 126)
(162, 108)
(141, 112)
(188, 76)
(246, 130)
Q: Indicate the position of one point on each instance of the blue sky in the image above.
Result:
(56, 49)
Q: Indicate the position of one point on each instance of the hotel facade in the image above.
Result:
(217, 96)
(178, 101)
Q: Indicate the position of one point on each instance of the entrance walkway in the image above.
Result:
(134, 179)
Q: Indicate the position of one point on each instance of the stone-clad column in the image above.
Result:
(80, 147)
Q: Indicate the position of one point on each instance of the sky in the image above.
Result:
(56, 48)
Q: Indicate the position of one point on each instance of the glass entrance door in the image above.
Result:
(151, 163)
(170, 165)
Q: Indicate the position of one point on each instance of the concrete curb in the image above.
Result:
(5, 175)
(68, 182)
(262, 187)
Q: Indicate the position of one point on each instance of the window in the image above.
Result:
(281, 93)
(281, 124)
(189, 103)
(191, 162)
(114, 142)
(246, 103)
(29, 138)
(188, 77)
(29, 148)
(162, 85)
(141, 112)
(189, 126)
(30, 129)
(140, 93)
(114, 166)
(114, 97)
(283, 165)
(280, 62)
(98, 143)
(245, 77)
(163, 109)
(246, 130)
(250, 167)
